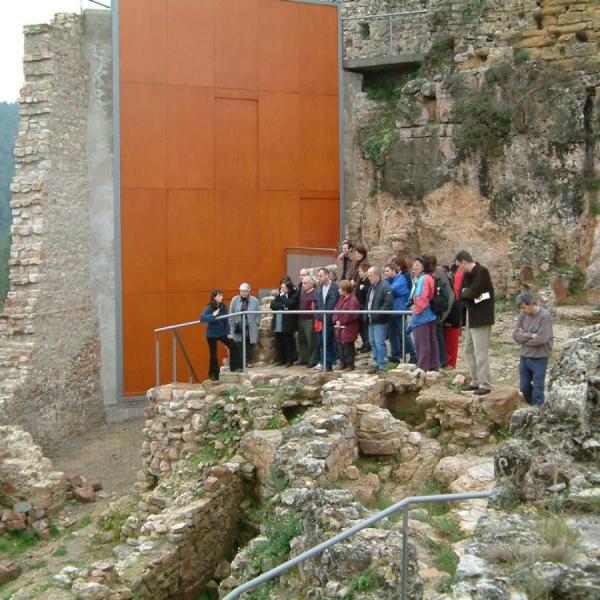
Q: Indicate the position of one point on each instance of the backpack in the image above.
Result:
(441, 297)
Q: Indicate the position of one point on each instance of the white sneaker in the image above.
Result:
(318, 367)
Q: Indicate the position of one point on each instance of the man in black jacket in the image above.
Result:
(380, 298)
(477, 293)
(327, 297)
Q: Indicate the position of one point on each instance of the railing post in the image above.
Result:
(174, 345)
(157, 359)
(403, 338)
(405, 552)
(244, 343)
(324, 342)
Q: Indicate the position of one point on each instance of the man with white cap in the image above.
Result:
(245, 302)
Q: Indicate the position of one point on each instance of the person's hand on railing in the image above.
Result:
(216, 312)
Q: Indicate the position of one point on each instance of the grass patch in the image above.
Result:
(364, 582)
(113, 523)
(14, 543)
(430, 487)
(448, 527)
(370, 465)
(60, 551)
(445, 560)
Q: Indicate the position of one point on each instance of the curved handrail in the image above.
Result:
(401, 505)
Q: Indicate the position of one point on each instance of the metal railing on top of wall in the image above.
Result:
(402, 505)
(177, 342)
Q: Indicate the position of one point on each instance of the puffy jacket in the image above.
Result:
(400, 291)
(215, 329)
(349, 331)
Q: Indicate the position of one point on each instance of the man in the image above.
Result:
(346, 265)
(477, 293)
(533, 332)
(245, 302)
(327, 297)
(308, 349)
(400, 292)
(379, 298)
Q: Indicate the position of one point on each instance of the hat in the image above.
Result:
(245, 287)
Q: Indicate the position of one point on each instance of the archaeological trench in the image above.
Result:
(491, 134)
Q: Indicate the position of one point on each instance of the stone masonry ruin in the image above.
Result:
(238, 476)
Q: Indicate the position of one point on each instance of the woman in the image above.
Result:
(361, 291)
(359, 255)
(285, 326)
(218, 331)
(423, 322)
(346, 325)
(403, 269)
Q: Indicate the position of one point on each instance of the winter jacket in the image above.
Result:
(349, 331)
(286, 302)
(400, 291)
(476, 283)
(333, 295)
(361, 291)
(421, 294)
(252, 321)
(380, 298)
(215, 329)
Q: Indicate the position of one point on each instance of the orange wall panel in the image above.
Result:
(236, 146)
(190, 241)
(319, 222)
(236, 230)
(279, 141)
(219, 99)
(319, 146)
(190, 138)
(141, 314)
(278, 46)
(279, 228)
(143, 135)
(143, 245)
(143, 40)
(236, 44)
(190, 38)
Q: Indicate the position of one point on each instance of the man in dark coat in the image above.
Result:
(327, 296)
(380, 298)
(477, 294)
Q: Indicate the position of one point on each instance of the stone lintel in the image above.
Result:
(383, 63)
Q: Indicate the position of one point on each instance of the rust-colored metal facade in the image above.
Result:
(229, 154)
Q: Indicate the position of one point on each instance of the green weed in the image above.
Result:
(60, 551)
(14, 543)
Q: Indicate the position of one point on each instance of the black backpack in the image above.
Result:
(441, 297)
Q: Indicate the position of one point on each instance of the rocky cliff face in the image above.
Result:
(490, 143)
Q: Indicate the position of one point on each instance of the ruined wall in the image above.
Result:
(490, 144)
(49, 346)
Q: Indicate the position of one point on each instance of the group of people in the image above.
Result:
(441, 300)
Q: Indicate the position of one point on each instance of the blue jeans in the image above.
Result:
(532, 373)
(395, 333)
(377, 335)
(327, 361)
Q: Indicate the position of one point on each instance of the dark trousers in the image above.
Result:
(364, 330)
(532, 374)
(439, 332)
(308, 350)
(347, 354)
(428, 354)
(327, 361)
(285, 344)
(235, 358)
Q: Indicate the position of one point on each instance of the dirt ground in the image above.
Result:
(110, 453)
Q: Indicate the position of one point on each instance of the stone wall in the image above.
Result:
(49, 346)
(527, 199)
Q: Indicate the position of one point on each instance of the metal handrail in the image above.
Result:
(323, 313)
(403, 504)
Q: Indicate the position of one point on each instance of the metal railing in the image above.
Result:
(390, 17)
(176, 340)
(402, 505)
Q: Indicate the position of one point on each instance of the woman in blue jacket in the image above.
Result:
(218, 331)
